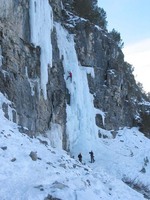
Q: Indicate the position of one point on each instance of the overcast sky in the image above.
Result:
(131, 18)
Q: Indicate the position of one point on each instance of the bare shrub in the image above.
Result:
(138, 186)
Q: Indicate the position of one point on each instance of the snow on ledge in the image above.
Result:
(89, 70)
(97, 111)
(4, 100)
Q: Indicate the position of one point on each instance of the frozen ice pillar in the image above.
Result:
(41, 24)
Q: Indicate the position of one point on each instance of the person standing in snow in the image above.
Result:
(92, 156)
(69, 76)
(80, 157)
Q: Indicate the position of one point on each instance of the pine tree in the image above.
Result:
(88, 9)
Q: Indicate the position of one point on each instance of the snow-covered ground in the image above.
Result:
(55, 173)
(120, 160)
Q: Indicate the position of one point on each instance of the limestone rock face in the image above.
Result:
(15, 14)
(113, 80)
(20, 73)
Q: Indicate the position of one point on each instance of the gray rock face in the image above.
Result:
(16, 14)
(20, 73)
(114, 88)
(111, 85)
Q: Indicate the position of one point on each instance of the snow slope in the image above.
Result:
(119, 160)
(57, 174)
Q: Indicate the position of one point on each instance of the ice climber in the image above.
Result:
(69, 76)
(92, 156)
(80, 157)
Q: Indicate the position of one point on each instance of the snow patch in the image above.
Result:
(89, 70)
(146, 103)
(55, 135)
(4, 100)
(32, 82)
(97, 111)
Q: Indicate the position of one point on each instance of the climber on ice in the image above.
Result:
(69, 75)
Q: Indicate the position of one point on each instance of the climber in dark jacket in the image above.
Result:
(80, 157)
(69, 76)
(92, 156)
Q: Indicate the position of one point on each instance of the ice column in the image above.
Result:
(81, 127)
(1, 57)
(41, 24)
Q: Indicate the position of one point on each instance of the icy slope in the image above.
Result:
(58, 175)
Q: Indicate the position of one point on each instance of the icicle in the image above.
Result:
(1, 57)
(41, 22)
